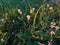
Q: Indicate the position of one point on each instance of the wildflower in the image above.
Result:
(32, 10)
(19, 11)
(48, 5)
(52, 32)
(2, 40)
(52, 24)
(28, 17)
(2, 19)
(51, 8)
(13, 21)
(57, 27)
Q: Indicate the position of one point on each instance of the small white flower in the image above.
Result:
(53, 23)
(13, 21)
(19, 10)
(2, 40)
(48, 5)
(31, 11)
(28, 17)
(51, 8)
(2, 19)
(33, 8)
(57, 27)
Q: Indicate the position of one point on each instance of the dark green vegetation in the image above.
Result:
(17, 29)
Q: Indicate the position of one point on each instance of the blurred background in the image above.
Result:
(29, 22)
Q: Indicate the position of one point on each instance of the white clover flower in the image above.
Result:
(48, 5)
(2, 40)
(2, 19)
(19, 10)
(53, 23)
(28, 17)
(13, 21)
(51, 8)
(57, 27)
(33, 9)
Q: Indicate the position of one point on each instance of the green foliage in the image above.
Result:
(16, 29)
